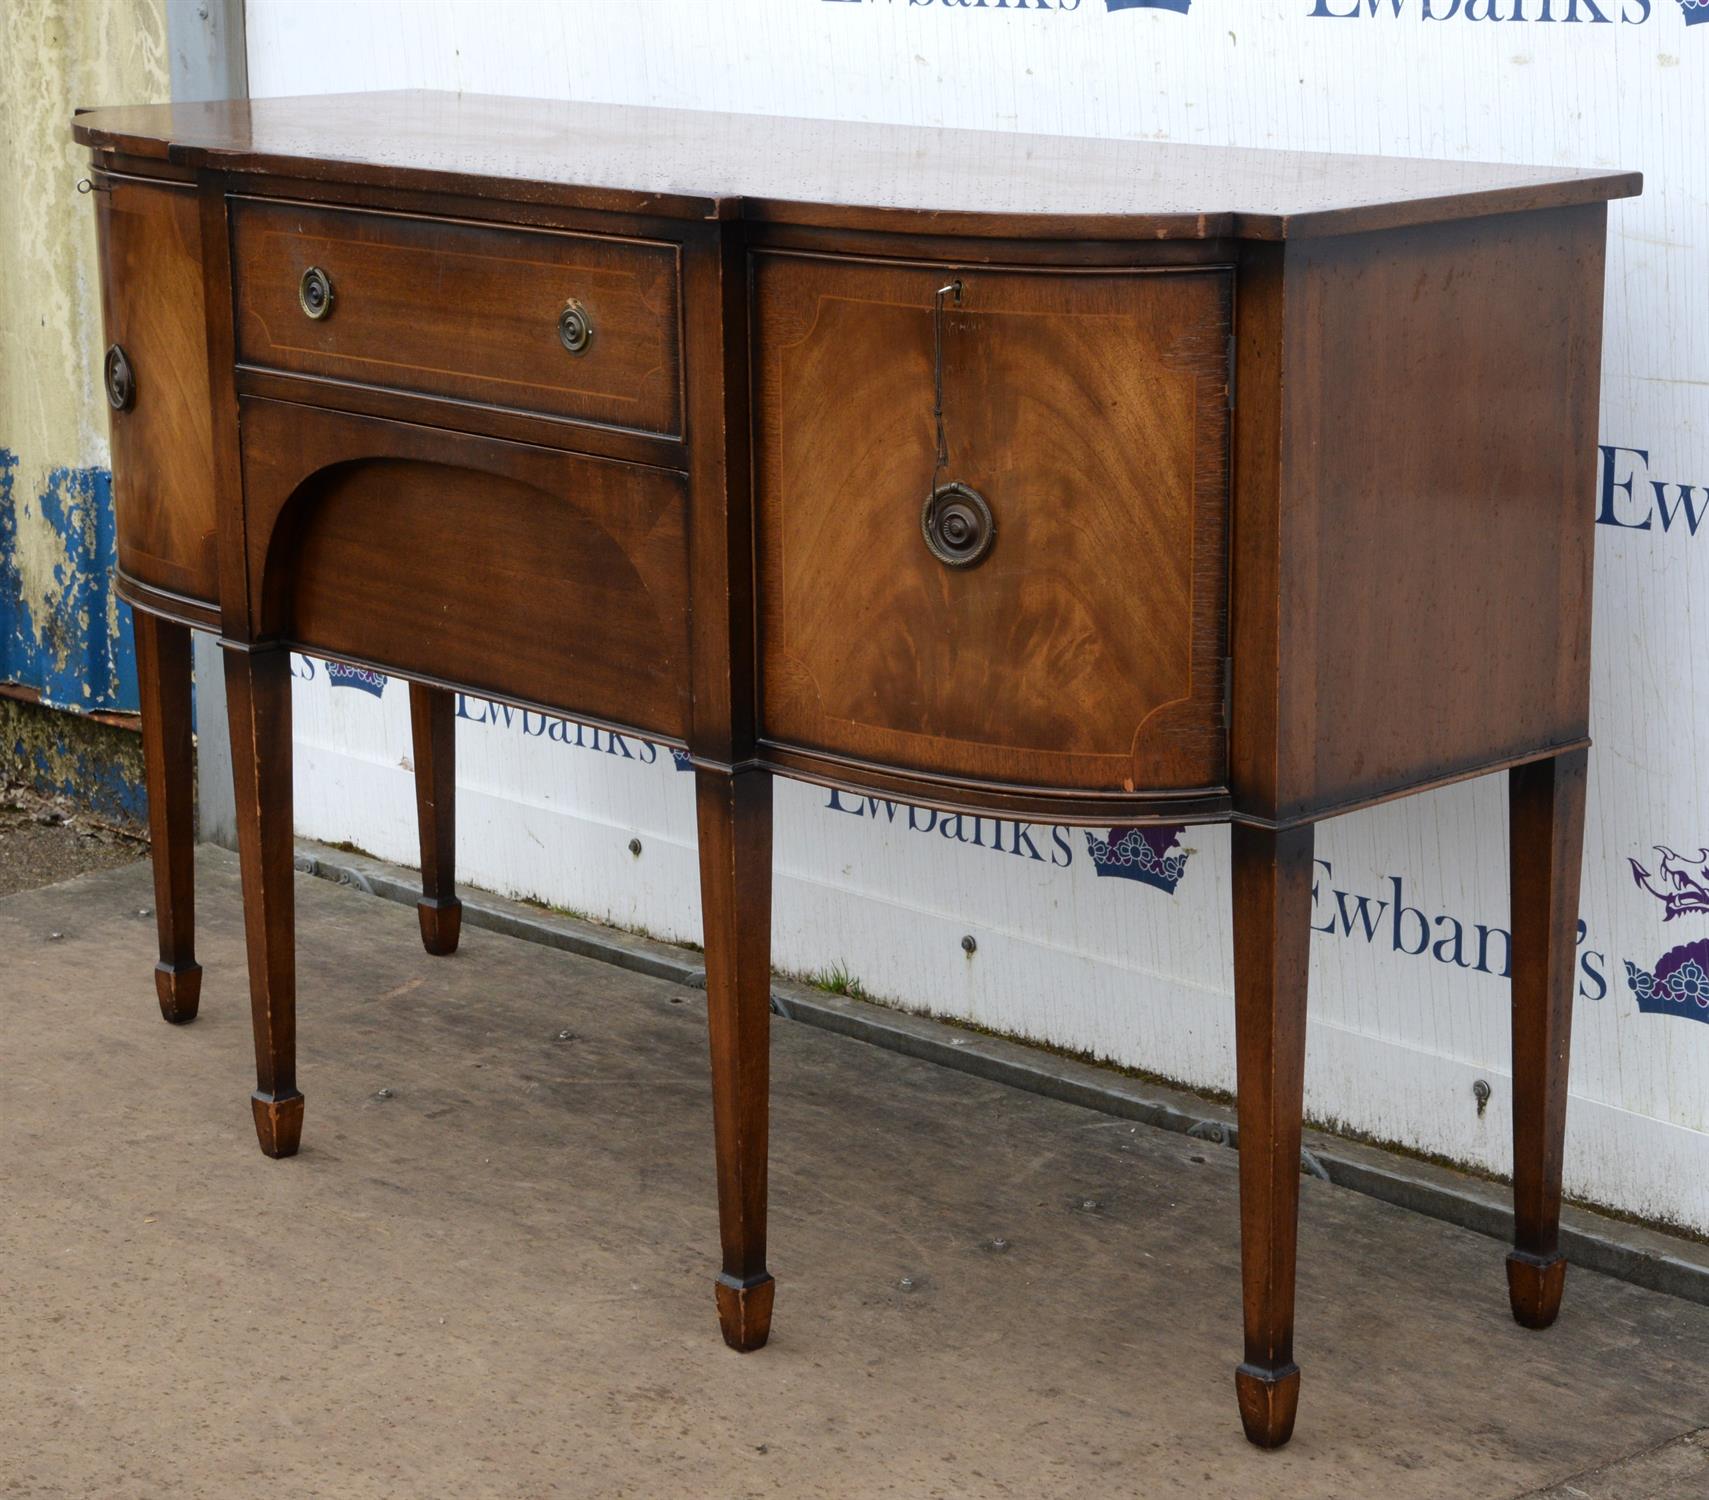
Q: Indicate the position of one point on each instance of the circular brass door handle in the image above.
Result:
(314, 293)
(119, 379)
(958, 525)
(575, 327)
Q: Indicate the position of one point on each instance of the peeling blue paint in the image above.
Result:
(104, 786)
(61, 643)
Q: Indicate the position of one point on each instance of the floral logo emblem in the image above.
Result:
(360, 678)
(1696, 11)
(1678, 986)
(1152, 856)
(1680, 884)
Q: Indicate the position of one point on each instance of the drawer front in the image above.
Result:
(1089, 410)
(524, 572)
(162, 429)
(463, 311)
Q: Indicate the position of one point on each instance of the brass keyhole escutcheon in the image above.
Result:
(575, 327)
(314, 293)
(119, 379)
(958, 525)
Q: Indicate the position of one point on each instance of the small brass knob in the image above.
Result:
(575, 327)
(958, 525)
(119, 379)
(314, 293)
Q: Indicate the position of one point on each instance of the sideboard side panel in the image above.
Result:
(1439, 428)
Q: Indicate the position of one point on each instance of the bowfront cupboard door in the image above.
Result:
(156, 380)
(1089, 411)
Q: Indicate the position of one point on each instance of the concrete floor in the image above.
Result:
(494, 1278)
(48, 839)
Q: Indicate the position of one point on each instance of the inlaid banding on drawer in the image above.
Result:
(464, 311)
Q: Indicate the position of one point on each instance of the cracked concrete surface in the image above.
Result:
(495, 1279)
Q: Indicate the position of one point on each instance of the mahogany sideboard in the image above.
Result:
(1083, 481)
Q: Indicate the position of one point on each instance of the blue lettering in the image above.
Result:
(1484, 936)
(1329, 870)
(1456, 938)
(1605, 514)
(1401, 912)
(1022, 836)
(1059, 837)
(1687, 503)
(1591, 972)
(1368, 918)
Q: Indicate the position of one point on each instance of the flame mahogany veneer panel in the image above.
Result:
(519, 571)
(463, 310)
(1091, 412)
(162, 444)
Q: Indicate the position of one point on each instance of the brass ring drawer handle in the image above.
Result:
(575, 327)
(314, 293)
(958, 525)
(119, 379)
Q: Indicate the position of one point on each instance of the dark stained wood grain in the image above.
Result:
(235, 612)
(721, 546)
(258, 701)
(433, 733)
(1272, 937)
(1373, 578)
(534, 428)
(735, 881)
(1546, 822)
(163, 690)
(522, 571)
(162, 445)
(1434, 443)
(840, 174)
(1091, 412)
(463, 311)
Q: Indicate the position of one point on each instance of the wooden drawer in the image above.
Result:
(463, 311)
(520, 571)
(162, 439)
(1090, 410)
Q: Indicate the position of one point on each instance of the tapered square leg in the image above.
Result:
(163, 685)
(735, 888)
(1546, 831)
(258, 697)
(1272, 935)
(433, 727)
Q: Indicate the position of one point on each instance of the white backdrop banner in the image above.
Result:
(1116, 941)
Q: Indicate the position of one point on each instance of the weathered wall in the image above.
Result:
(63, 632)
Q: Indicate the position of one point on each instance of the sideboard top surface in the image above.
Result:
(697, 164)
